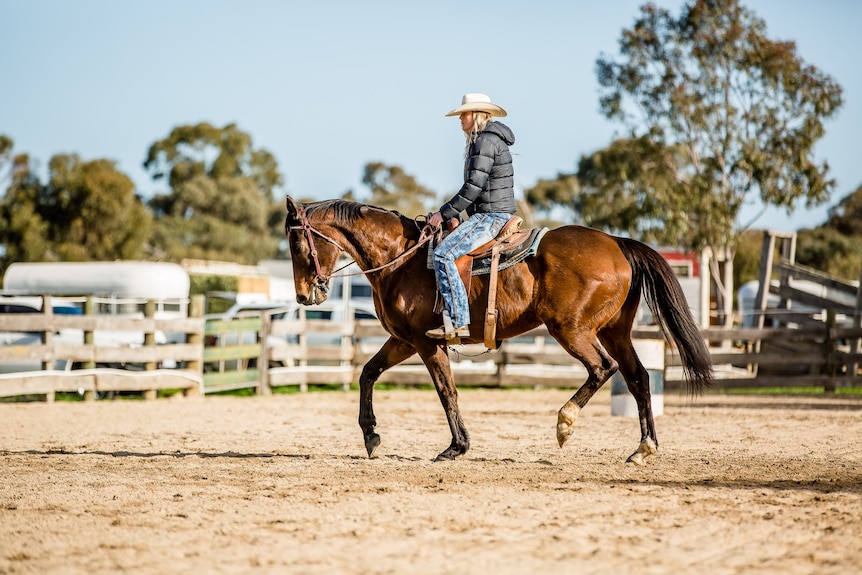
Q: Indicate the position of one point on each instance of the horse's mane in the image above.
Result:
(343, 212)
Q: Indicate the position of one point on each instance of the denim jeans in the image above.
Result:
(477, 230)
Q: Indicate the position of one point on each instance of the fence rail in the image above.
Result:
(262, 353)
(91, 366)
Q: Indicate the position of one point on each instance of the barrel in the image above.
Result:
(651, 354)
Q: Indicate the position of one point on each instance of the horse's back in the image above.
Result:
(582, 281)
(582, 250)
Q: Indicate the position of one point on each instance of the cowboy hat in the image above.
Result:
(477, 103)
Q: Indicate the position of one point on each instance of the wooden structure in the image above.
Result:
(93, 376)
(819, 317)
(261, 353)
(806, 296)
(536, 360)
(230, 358)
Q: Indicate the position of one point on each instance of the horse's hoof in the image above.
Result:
(637, 458)
(451, 453)
(566, 419)
(645, 449)
(372, 442)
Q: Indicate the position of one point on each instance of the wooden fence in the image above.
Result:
(820, 356)
(91, 369)
(261, 353)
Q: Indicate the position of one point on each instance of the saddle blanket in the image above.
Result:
(508, 257)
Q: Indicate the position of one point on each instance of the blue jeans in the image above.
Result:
(476, 231)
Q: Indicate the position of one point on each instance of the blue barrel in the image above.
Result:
(651, 354)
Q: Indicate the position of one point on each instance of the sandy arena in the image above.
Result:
(282, 485)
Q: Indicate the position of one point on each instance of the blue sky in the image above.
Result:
(327, 86)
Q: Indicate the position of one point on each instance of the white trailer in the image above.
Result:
(120, 288)
(117, 285)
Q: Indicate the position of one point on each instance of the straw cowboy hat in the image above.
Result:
(477, 103)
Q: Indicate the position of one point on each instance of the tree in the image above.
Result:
(6, 145)
(835, 246)
(615, 189)
(394, 189)
(721, 113)
(746, 262)
(23, 231)
(846, 217)
(85, 211)
(221, 201)
(553, 199)
(830, 251)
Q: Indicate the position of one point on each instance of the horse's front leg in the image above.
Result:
(436, 359)
(392, 353)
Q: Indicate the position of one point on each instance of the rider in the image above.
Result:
(488, 197)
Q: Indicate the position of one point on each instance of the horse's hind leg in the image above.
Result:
(392, 353)
(637, 381)
(600, 366)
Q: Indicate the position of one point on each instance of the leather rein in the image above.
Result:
(320, 279)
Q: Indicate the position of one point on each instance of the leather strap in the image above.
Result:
(491, 313)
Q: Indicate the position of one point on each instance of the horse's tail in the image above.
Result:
(664, 296)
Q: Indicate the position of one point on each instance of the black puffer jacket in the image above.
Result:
(488, 175)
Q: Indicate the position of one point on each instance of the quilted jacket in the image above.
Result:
(488, 175)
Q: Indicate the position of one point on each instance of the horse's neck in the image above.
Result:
(374, 248)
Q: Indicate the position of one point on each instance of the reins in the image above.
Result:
(426, 235)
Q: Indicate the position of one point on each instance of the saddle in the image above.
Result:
(511, 246)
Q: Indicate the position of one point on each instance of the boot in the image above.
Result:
(447, 330)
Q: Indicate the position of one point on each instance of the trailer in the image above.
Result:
(119, 288)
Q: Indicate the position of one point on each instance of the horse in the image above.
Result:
(583, 284)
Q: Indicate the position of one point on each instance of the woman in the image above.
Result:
(488, 197)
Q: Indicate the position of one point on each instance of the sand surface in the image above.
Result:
(281, 485)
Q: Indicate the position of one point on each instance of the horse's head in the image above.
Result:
(314, 254)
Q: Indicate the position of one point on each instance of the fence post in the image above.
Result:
(856, 343)
(90, 340)
(829, 349)
(263, 387)
(150, 342)
(196, 310)
(499, 367)
(47, 338)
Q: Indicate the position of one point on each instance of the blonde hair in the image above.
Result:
(480, 122)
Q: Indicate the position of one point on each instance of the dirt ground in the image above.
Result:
(281, 485)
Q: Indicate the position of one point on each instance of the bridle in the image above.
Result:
(320, 279)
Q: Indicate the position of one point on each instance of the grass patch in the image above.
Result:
(244, 392)
(814, 390)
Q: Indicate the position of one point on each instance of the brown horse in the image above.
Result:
(583, 284)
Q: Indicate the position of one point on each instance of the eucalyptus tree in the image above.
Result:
(846, 216)
(392, 188)
(221, 199)
(716, 116)
(835, 246)
(6, 145)
(86, 210)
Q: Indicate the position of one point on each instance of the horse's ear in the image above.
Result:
(292, 208)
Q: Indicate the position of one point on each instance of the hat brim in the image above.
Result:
(492, 109)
